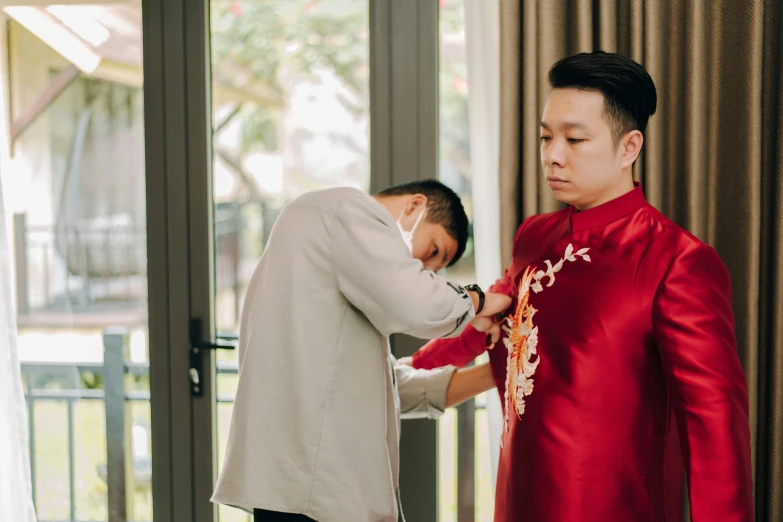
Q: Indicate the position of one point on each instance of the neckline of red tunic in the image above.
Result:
(610, 211)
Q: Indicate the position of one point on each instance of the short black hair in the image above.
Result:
(629, 92)
(444, 208)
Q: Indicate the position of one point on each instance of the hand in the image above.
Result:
(490, 326)
(494, 304)
(492, 316)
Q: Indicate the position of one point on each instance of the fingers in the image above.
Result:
(494, 333)
(491, 327)
(491, 318)
(482, 324)
(486, 324)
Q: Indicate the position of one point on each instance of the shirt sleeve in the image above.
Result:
(378, 276)
(460, 351)
(422, 392)
(693, 324)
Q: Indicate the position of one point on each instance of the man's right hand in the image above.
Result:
(489, 326)
(494, 304)
(491, 316)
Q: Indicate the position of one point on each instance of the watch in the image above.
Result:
(480, 292)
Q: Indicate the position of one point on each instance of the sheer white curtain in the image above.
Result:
(16, 501)
(15, 489)
(482, 25)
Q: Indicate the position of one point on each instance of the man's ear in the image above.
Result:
(415, 203)
(631, 146)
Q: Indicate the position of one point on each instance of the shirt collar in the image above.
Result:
(608, 212)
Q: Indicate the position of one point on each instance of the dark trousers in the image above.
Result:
(262, 515)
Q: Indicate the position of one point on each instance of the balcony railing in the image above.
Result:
(101, 266)
(118, 383)
(128, 462)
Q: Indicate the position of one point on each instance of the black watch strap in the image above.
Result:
(480, 292)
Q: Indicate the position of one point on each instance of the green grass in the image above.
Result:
(89, 446)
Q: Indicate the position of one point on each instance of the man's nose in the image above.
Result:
(553, 154)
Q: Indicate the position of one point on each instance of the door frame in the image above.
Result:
(174, 127)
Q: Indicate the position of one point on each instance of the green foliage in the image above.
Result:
(261, 44)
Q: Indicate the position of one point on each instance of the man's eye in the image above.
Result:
(544, 138)
(575, 140)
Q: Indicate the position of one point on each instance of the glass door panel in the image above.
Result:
(465, 471)
(75, 194)
(291, 114)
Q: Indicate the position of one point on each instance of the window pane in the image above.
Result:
(75, 194)
(455, 171)
(454, 139)
(291, 114)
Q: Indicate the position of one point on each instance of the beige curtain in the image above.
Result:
(712, 160)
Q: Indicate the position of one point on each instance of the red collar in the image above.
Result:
(608, 212)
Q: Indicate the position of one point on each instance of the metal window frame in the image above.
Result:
(404, 147)
(169, 282)
(404, 93)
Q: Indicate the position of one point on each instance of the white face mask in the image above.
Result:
(407, 235)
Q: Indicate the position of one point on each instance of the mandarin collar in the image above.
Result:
(610, 211)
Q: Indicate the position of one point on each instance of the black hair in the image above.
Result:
(444, 208)
(629, 92)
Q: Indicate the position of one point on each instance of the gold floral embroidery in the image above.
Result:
(521, 340)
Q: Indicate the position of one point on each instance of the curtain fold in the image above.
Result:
(482, 18)
(712, 159)
(16, 501)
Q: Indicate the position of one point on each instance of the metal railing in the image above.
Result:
(75, 266)
(124, 471)
(37, 376)
(95, 269)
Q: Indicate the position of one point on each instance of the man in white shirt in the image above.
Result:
(315, 429)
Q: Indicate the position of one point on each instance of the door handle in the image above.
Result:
(198, 346)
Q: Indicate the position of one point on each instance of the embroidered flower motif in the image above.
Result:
(521, 340)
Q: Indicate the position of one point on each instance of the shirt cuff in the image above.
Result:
(437, 388)
(423, 392)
